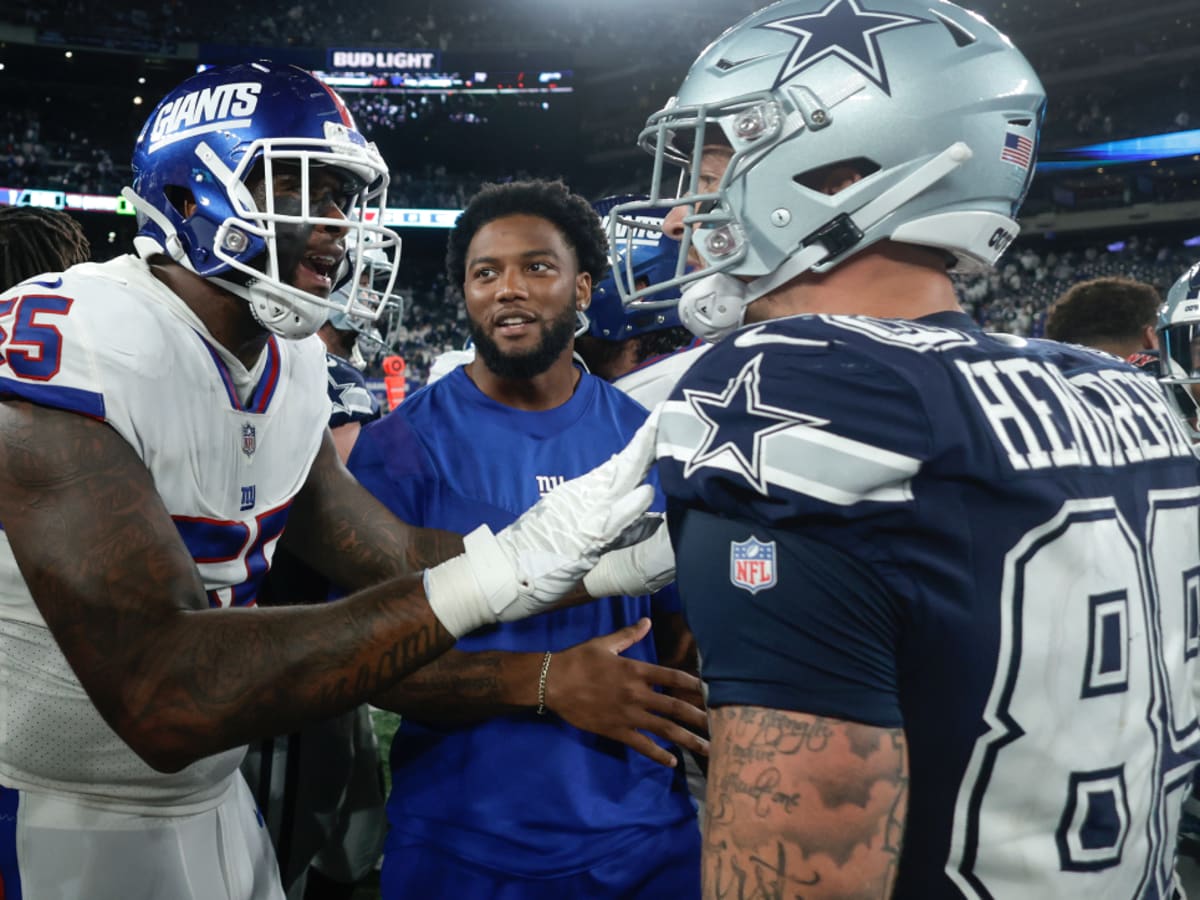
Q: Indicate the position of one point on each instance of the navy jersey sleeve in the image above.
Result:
(349, 396)
(787, 622)
(794, 427)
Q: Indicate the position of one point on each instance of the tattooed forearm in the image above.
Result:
(766, 879)
(802, 807)
(462, 688)
(339, 529)
(125, 602)
(206, 681)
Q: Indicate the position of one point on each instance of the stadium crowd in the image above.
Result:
(1012, 299)
(432, 144)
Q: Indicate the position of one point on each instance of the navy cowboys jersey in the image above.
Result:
(989, 541)
(348, 394)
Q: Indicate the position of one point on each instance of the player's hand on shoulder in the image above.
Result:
(642, 568)
(537, 560)
(594, 688)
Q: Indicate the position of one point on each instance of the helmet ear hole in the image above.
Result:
(224, 167)
(962, 37)
(836, 176)
(181, 199)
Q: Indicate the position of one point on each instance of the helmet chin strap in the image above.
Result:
(273, 313)
(715, 305)
(266, 306)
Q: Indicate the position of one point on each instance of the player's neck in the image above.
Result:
(226, 316)
(1122, 349)
(890, 281)
(549, 390)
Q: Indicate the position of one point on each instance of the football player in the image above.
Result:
(36, 239)
(644, 351)
(942, 581)
(1115, 314)
(162, 419)
(1178, 340)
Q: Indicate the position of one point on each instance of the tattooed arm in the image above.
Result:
(338, 528)
(125, 602)
(804, 807)
(591, 686)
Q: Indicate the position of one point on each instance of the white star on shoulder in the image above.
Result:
(731, 432)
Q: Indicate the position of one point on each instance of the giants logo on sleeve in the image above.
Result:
(752, 565)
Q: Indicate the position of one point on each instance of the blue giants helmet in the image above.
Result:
(931, 106)
(647, 257)
(207, 137)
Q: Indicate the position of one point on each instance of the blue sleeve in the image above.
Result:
(786, 622)
(389, 461)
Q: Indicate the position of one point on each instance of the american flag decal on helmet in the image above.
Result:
(1018, 150)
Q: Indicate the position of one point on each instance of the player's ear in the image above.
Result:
(583, 291)
(1149, 338)
(182, 199)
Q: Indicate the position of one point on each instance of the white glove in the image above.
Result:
(641, 569)
(538, 559)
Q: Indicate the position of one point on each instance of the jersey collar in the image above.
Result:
(954, 319)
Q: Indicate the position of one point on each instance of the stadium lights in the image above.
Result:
(395, 217)
(1149, 148)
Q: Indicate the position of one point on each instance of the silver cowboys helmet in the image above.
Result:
(1179, 349)
(378, 333)
(934, 108)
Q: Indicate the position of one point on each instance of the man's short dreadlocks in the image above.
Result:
(34, 240)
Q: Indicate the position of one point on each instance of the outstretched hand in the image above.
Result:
(537, 560)
(594, 688)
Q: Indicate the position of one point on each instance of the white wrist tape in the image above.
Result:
(472, 589)
(642, 568)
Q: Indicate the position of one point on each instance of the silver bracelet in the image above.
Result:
(541, 707)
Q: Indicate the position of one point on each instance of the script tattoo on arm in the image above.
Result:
(802, 807)
(337, 527)
(125, 603)
(465, 688)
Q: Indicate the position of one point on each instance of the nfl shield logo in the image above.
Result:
(249, 439)
(752, 564)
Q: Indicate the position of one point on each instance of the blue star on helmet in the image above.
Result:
(737, 424)
(842, 29)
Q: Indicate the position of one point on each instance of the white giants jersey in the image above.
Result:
(652, 383)
(228, 450)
